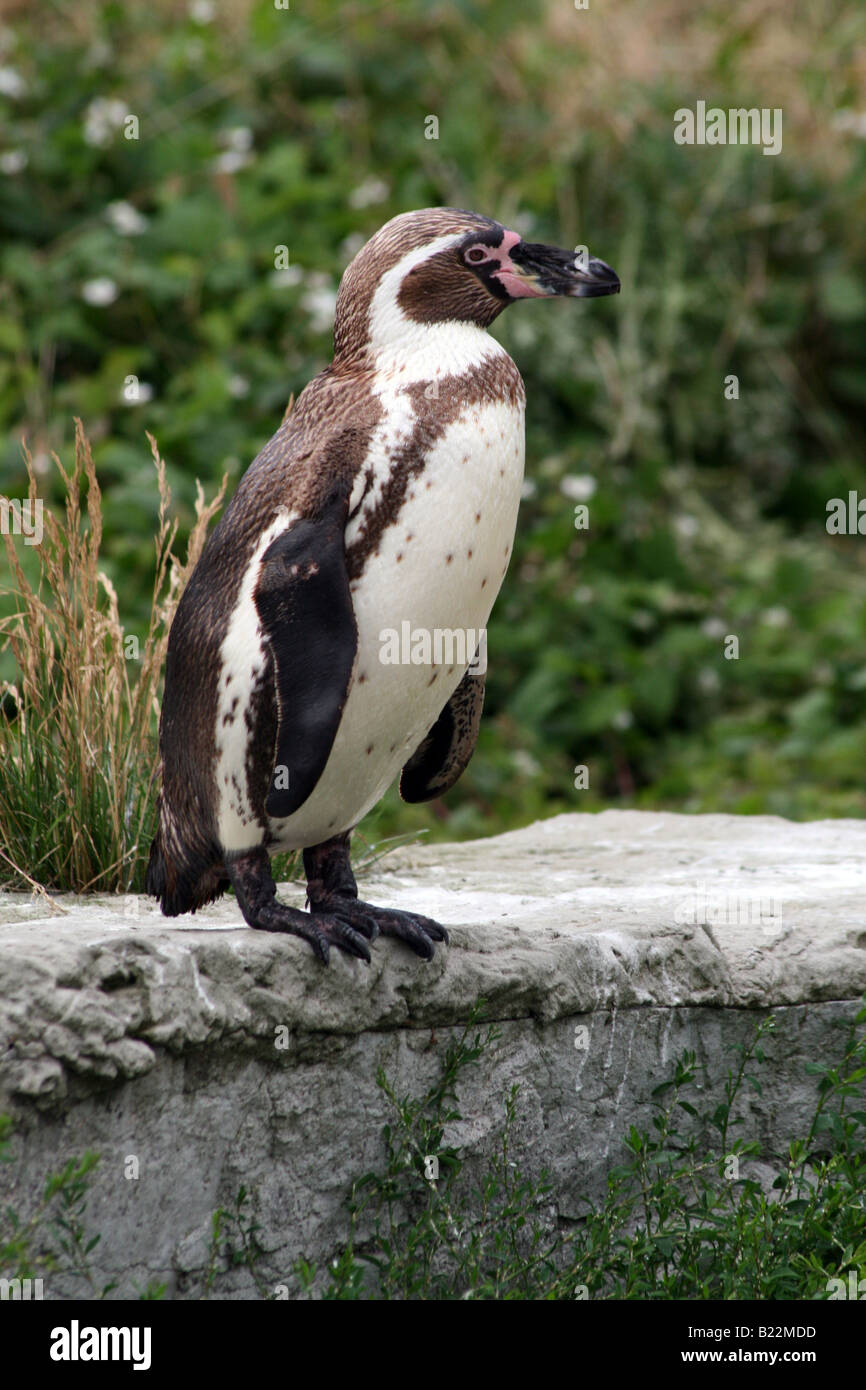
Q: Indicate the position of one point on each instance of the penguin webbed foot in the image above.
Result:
(420, 933)
(321, 931)
(331, 889)
(254, 886)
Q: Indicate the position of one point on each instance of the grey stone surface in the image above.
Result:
(129, 1034)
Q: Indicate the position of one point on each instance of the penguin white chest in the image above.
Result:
(421, 605)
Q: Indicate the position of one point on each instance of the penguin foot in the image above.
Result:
(418, 932)
(254, 886)
(332, 891)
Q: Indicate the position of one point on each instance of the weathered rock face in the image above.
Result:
(605, 944)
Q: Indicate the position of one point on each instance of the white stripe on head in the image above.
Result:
(424, 350)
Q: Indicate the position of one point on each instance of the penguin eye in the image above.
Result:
(476, 254)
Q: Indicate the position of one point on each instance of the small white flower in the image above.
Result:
(12, 84)
(776, 617)
(528, 488)
(351, 245)
(578, 487)
(125, 219)
(237, 137)
(238, 143)
(201, 11)
(13, 161)
(98, 55)
(238, 386)
(523, 222)
(102, 119)
(687, 526)
(583, 594)
(852, 121)
(623, 719)
(100, 291)
(368, 193)
(525, 763)
(708, 680)
(524, 333)
(230, 161)
(713, 627)
(289, 275)
(320, 301)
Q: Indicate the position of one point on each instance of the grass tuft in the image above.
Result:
(78, 727)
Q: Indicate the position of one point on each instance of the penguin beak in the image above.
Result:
(537, 271)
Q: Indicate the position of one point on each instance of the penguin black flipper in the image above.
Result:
(442, 757)
(305, 606)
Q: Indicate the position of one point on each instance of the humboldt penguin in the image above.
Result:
(386, 502)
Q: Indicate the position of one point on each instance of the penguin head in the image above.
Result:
(442, 265)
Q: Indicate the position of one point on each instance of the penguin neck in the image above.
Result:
(424, 351)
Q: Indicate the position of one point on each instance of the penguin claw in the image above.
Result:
(335, 930)
(418, 932)
(320, 932)
(367, 926)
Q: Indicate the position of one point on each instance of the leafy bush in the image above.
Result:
(154, 259)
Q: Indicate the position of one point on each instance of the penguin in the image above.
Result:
(387, 497)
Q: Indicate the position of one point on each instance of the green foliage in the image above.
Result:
(234, 1242)
(679, 1220)
(305, 128)
(425, 1242)
(53, 1238)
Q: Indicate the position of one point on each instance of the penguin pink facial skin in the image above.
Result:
(507, 274)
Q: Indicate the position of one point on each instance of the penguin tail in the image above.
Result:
(183, 877)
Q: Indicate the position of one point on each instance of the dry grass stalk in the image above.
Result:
(77, 779)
